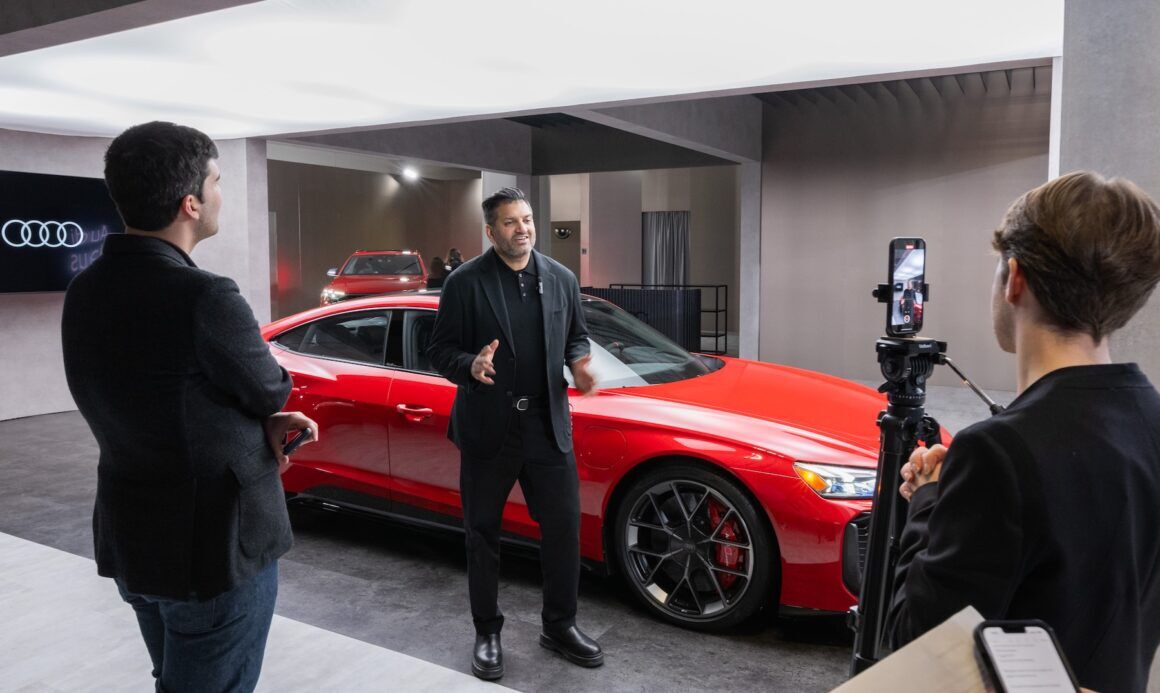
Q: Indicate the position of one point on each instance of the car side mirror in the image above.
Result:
(332, 272)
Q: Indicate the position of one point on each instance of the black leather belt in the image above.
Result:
(527, 403)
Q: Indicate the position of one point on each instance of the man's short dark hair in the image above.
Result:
(150, 168)
(1090, 248)
(501, 197)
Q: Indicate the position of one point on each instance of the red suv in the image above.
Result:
(369, 272)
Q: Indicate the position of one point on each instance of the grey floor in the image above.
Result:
(404, 590)
(98, 649)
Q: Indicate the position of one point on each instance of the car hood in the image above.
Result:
(376, 283)
(796, 413)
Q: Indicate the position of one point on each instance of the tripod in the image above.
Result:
(906, 363)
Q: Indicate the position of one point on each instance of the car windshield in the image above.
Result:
(628, 353)
(382, 264)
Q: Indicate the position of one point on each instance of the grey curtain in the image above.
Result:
(665, 253)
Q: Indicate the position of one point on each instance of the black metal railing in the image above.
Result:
(720, 312)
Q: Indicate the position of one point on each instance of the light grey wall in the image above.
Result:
(566, 197)
(613, 225)
(241, 250)
(324, 214)
(748, 261)
(1111, 121)
(31, 366)
(843, 175)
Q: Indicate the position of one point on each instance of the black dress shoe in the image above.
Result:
(574, 645)
(487, 657)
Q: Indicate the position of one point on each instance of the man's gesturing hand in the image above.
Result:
(582, 375)
(482, 368)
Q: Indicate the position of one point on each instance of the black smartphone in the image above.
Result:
(907, 275)
(303, 436)
(1020, 656)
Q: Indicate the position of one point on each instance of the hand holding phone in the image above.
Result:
(303, 435)
(1022, 656)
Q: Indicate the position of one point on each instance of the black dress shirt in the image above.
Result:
(521, 294)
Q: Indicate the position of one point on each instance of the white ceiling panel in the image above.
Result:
(291, 66)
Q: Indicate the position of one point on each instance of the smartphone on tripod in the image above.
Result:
(907, 281)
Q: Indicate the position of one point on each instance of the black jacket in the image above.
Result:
(168, 368)
(1050, 510)
(472, 313)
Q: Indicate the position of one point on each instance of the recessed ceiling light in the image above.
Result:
(410, 173)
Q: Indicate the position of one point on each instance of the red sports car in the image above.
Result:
(714, 486)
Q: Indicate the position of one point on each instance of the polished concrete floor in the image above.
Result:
(405, 590)
(65, 629)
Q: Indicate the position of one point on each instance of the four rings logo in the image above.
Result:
(42, 234)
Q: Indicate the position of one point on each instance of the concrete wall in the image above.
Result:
(31, 366)
(323, 214)
(844, 174)
(566, 198)
(1111, 122)
(613, 228)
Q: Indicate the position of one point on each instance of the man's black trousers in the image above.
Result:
(550, 486)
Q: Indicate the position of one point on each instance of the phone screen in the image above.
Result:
(1026, 660)
(907, 277)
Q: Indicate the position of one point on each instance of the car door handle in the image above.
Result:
(414, 414)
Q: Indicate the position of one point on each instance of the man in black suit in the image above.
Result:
(168, 368)
(509, 321)
(1049, 510)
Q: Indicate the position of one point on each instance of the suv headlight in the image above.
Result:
(333, 294)
(836, 481)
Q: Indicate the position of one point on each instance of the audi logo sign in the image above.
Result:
(42, 234)
(51, 229)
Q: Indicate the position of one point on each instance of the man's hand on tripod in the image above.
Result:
(923, 468)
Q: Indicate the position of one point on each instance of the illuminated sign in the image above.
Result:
(42, 234)
(51, 228)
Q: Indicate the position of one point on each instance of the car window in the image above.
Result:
(360, 337)
(383, 264)
(628, 353)
(417, 327)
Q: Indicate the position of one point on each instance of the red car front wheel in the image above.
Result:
(693, 548)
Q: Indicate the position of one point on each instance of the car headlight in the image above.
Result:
(836, 481)
(333, 294)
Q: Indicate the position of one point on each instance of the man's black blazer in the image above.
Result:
(1049, 510)
(472, 313)
(166, 364)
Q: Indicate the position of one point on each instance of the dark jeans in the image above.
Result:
(209, 646)
(551, 488)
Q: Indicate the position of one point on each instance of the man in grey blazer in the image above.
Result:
(509, 321)
(167, 366)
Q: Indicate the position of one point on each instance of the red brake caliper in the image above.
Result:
(725, 556)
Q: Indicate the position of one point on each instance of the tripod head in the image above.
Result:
(906, 363)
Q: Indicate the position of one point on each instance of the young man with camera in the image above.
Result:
(1051, 509)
